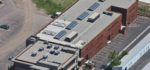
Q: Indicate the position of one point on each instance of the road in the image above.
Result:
(25, 23)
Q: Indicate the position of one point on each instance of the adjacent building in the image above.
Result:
(81, 31)
(134, 54)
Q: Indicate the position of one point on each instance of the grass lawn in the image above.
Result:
(142, 9)
(52, 6)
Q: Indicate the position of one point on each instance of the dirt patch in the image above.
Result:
(20, 4)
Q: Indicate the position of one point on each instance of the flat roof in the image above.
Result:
(54, 60)
(86, 30)
(135, 50)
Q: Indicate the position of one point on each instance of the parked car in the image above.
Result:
(55, 14)
(4, 26)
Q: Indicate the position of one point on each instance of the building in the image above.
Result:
(134, 54)
(86, 38)
(45, 55)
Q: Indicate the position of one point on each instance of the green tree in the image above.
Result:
(115, 58)
(125, 52)
(115, 62)
(113, 55)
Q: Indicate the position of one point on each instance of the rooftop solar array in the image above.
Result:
(94, 6)
(60, 34)
(71, 25)
(83, 15)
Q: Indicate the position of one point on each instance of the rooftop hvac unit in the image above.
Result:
(56, 52)
(34, 53)
(49, 45)
(45, 42)
(59, 24)
(32, 39)
(41, 49)
(56, 47)
(108, 13)
(48, 32)
(67, 50)
(83, 43)
(101, 0)
(45, 55)
(93, 17)
(52, 51)
(71, 36)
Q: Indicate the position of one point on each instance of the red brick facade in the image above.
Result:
(101, 39)
(97, 43)
(129, 14)
(132, 12)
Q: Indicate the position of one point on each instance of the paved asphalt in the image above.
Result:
(145, 59)
(120, 41)
(12, 41)
(12, 16)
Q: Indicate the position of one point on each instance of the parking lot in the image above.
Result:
(120, 41)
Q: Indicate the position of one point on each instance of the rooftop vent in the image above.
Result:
(45, 55)
(32, 39)
(59, 24)
(101, 0)
(34, 53)
(48, 32)
(49, 45)
(41, 49)
(108, 13)
(68, 50)
(45, 42)
(56, 52)
(52, 51)
(56, 47)
(83, 43)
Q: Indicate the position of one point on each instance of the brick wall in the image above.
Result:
(132, 12)
(120, 10)
(101, 39)
(129, 14)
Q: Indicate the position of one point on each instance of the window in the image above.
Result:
(109, 37)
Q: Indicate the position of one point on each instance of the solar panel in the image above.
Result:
(60, 34)
(83, 15)
(71, 25)
(94, 6)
